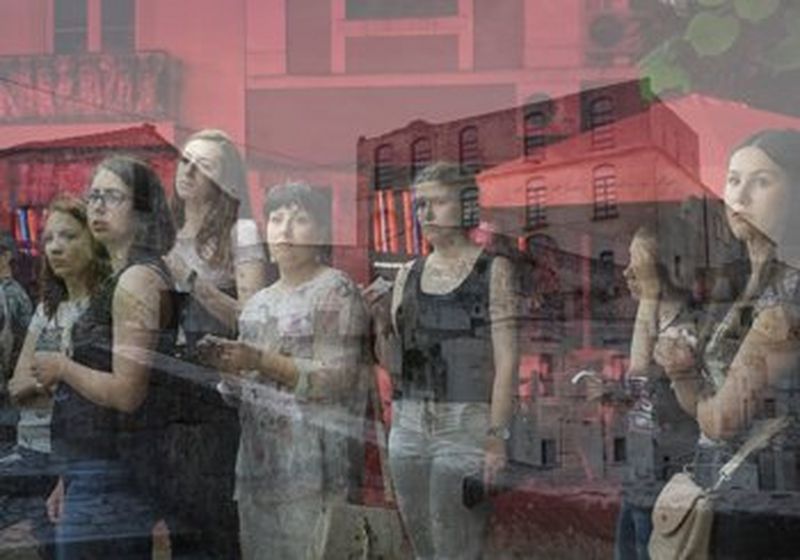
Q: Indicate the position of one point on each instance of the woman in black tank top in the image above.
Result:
(105, 412)
(453, 315)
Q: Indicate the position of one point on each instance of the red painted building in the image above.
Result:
(297, 82)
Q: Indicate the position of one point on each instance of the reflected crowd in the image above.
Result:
(195, 375)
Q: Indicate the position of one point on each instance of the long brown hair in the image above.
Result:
(213, 241)
(51, 287)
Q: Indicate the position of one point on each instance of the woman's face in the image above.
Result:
(758, 196)
(110, 209)
(199, 170)
(293, 236)
(641, 274)
(438, 209)
(67, 245)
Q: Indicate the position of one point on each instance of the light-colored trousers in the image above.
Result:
(432, 447)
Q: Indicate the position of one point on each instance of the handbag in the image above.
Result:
(684, 514)
(357, 531)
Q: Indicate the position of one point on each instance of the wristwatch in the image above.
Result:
(500, 432)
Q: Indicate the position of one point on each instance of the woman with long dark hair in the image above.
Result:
(749, 368)
(102, 392)
(73, 268)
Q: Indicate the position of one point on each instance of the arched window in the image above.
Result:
(535, 138)
(384, 168)
(604, 182)
(469, 154)
(601, 122)
(421, 155)
(535, 203)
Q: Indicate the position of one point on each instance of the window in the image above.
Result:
(421, 155)
(469, 156)
(535, 203)
(547, 382)
(72, 33)
(395, 9)
(605, 192)
(384, 168)
(118, 25)
(601, 123)
(549, 452)
(535, 139)
(620, 450)
(69, 26)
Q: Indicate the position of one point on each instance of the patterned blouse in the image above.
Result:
(303, 442)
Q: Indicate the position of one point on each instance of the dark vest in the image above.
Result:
(446, 339)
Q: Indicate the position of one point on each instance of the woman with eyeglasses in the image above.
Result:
(218, 262)
(104, 397)
(453, 319)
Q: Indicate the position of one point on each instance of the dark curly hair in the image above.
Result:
(155, 231)
(52, 289)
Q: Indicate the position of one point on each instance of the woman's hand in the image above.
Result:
(179, 270)
(55, 502)
(675, 355)
(48, 368)
(494, 460)
(230, 356)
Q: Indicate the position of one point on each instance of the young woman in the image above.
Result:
(748, 369)
(454, 316)
(217, 258)
(218, 262)
(105, 386)
(73, 268)
(298, 376)
(660, 437)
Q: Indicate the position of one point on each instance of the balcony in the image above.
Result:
(89, 87)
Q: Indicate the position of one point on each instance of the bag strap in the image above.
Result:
(381, 440)
(757, 440)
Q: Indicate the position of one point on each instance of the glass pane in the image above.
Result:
(381, 9)
(70, 41)
(118, 39)
(69, 13)
(118, 13)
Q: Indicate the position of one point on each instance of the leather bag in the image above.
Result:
(684, 514)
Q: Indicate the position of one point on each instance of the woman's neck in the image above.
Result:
(297, 274)
(76, 287)
(452, 247)
(118, 254)
(194, 215)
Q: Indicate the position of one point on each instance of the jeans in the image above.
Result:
(103, 516)
(432, 447)
(634, 526)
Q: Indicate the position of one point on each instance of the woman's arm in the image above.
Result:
(769, 351)
(23, 386)
(503, 309)
(339, 333)
(137, 319)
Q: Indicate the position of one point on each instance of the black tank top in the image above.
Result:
(82, 429)
(446, 339)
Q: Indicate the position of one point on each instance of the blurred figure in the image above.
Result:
(747, 371)
(15, 314)
(218, 262)
(73, 268)
(453, 316)
(217, 258)
(660, 436)
(298, 374)
(104, 407)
